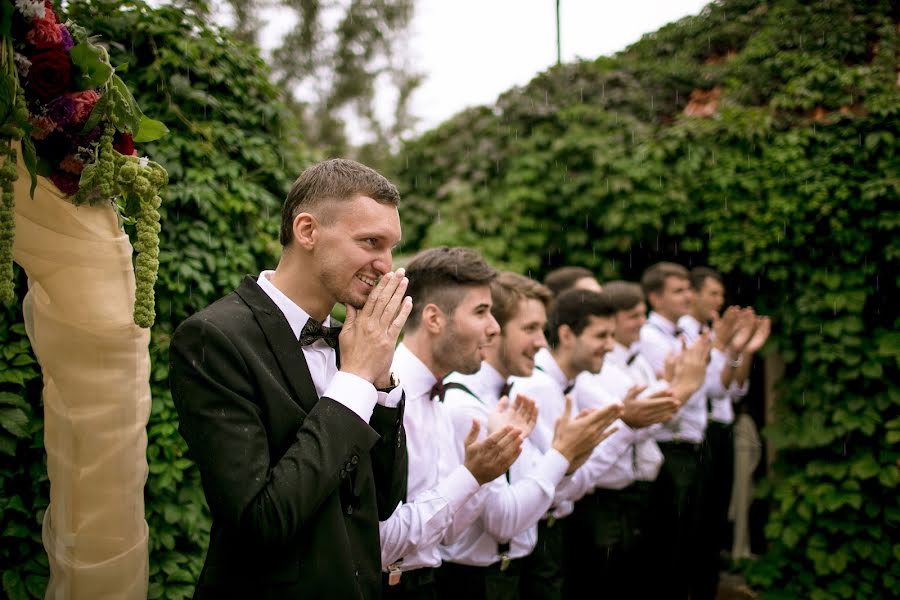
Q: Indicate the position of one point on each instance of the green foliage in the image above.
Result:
(232, 153)
(792, 184)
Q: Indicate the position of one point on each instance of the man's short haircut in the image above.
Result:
(575, 308)
(336, 179)
(440, 276)
(509, 288)
(564, 278)
(623, 295)
(699, 275)
(654, 279)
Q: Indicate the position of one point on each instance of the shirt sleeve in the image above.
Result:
(511, 508)
(423, 522)
(354, 392)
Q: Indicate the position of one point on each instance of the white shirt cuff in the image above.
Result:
(390, 399)
(458, 487)
(354, 392)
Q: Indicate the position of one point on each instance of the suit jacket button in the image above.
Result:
(349, 509)
(343, 473)
(354, 459)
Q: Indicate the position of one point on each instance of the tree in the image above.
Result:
(336, 59)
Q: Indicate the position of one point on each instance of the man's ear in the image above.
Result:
(565, 335)
(433, 319)
(306, 230)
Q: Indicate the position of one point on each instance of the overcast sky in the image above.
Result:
(473, 50)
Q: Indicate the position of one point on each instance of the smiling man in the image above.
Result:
(300, 453)
(488, 560)
(448, 331)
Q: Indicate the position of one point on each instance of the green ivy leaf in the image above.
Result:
(14, 421)
(93, 65)
(14, 586)
(150, 130)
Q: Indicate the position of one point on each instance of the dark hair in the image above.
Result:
(574, 308)
(623, 295)
(509, 288)
(654, 278)
(439, 276)
(335, 179)
(699, 275)
(563, 278)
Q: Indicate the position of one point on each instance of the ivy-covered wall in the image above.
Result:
(786, 178)
(232, 153)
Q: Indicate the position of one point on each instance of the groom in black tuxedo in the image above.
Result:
(298, 430)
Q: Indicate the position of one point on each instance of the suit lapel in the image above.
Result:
(281, 339)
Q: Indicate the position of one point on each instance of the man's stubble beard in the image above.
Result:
(447, 353)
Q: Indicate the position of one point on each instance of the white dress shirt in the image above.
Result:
(510, 509)
(439, 484)
(348, 389)
(659, 337)
(622, 369)
(548, 386)
(721, 408)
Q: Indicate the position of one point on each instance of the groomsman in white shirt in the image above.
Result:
(667, 288)
(486, 561)
(625, 514)
(739, 334)
(447, 330)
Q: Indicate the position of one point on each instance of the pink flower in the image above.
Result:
(83, 104)
(72, 165)
(41, 126)
(49, 15)
(45, 34)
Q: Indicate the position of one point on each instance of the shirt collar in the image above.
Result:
(690, 325)
(662, 323)
(296, 316)
(415, 377)
(544, 359)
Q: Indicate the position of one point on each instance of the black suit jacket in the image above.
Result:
(296, 483)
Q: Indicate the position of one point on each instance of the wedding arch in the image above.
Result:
(71, 180)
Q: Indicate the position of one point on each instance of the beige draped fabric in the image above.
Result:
(96, 369)
(747, 453)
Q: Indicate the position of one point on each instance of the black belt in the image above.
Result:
(680, 445)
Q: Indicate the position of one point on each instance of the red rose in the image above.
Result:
(124, 144)
(50, 74)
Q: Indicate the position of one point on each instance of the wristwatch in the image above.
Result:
(392, 383)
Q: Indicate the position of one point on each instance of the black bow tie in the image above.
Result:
(504, 391)
(569, 388)
(314, 330)
(678, 331)
(631, 358)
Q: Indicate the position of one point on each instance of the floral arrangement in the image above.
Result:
(77, 123)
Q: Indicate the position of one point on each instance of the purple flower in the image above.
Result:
(66, 41)
(61, 110)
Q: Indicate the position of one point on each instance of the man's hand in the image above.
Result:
(488, 459)
(743, 332)
(370, 334)
(574, 437)
(521, 414)
(760, 335)
(690, 372)
(658, 407)
(724, 327)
